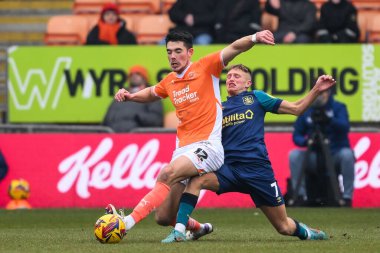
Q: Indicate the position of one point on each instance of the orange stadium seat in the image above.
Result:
(366, 4)
(362, 23)
(89, 6)
(373, 28)
(151, 29)
(69, 30)
(139, 6)
(166, 5)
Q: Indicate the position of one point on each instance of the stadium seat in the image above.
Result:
(166, 5)
(362, 23)
(69, 30)
(373, 28)
(366, 4)
(130, 22)
(151, 29)
(139, 6)
(89, 6)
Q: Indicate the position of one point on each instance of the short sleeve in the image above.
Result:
(159, 89)
(213, 63)
(268, 102)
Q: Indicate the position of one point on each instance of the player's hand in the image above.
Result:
(265, 37)
(122, 95)
(324, 82)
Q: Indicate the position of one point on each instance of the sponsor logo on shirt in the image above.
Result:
(237, 118)
(183, 95)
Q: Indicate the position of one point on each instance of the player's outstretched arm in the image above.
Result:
(323, 83)
(245, 43)
(143, 96)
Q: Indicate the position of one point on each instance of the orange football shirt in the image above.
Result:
(195, 95)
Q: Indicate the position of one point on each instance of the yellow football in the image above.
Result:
(109, 229)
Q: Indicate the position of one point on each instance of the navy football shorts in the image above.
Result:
(258, 182)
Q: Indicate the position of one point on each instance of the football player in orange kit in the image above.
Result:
(193, 88)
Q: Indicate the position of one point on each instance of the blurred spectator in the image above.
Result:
(338, 23)
(196, 17)
(235, 19)
(331, 118)
(111, 29)
(297, 20)
(123, 117)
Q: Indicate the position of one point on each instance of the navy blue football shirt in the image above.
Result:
(243, 127)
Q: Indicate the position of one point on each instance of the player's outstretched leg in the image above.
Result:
(288, 226)
(205, 229)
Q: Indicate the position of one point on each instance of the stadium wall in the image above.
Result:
(92, 170)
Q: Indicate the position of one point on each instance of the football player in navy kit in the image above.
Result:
(247, 168)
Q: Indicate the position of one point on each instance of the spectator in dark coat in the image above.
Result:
(123, 117)
(297, 20)
(338, 23)
(235, 19)
(110, 29)
(196, 17)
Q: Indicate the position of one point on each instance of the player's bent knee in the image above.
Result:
(162, 220)
(166, 175)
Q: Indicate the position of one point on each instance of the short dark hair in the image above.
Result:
(242, 67)
(178, 35)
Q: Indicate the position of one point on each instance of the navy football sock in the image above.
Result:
(186, 207)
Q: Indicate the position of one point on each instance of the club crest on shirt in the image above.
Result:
(192, 74)
(248, 100)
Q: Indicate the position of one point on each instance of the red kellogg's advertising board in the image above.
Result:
(92, 170)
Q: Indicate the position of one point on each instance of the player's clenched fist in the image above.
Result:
(265, 37)
(122, 95)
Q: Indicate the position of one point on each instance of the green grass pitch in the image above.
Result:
(236, 230)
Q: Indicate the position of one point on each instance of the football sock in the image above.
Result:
(129, 222)
(300, 231)
(192, 225)
(152, 200)
(187, 204)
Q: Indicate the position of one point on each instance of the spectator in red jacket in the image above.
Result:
(110, 29)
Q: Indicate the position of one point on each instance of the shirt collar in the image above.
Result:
(184, 71)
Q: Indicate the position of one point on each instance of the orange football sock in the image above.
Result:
(152, 200)
(193, 225)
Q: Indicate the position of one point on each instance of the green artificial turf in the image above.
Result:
(236, 230)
